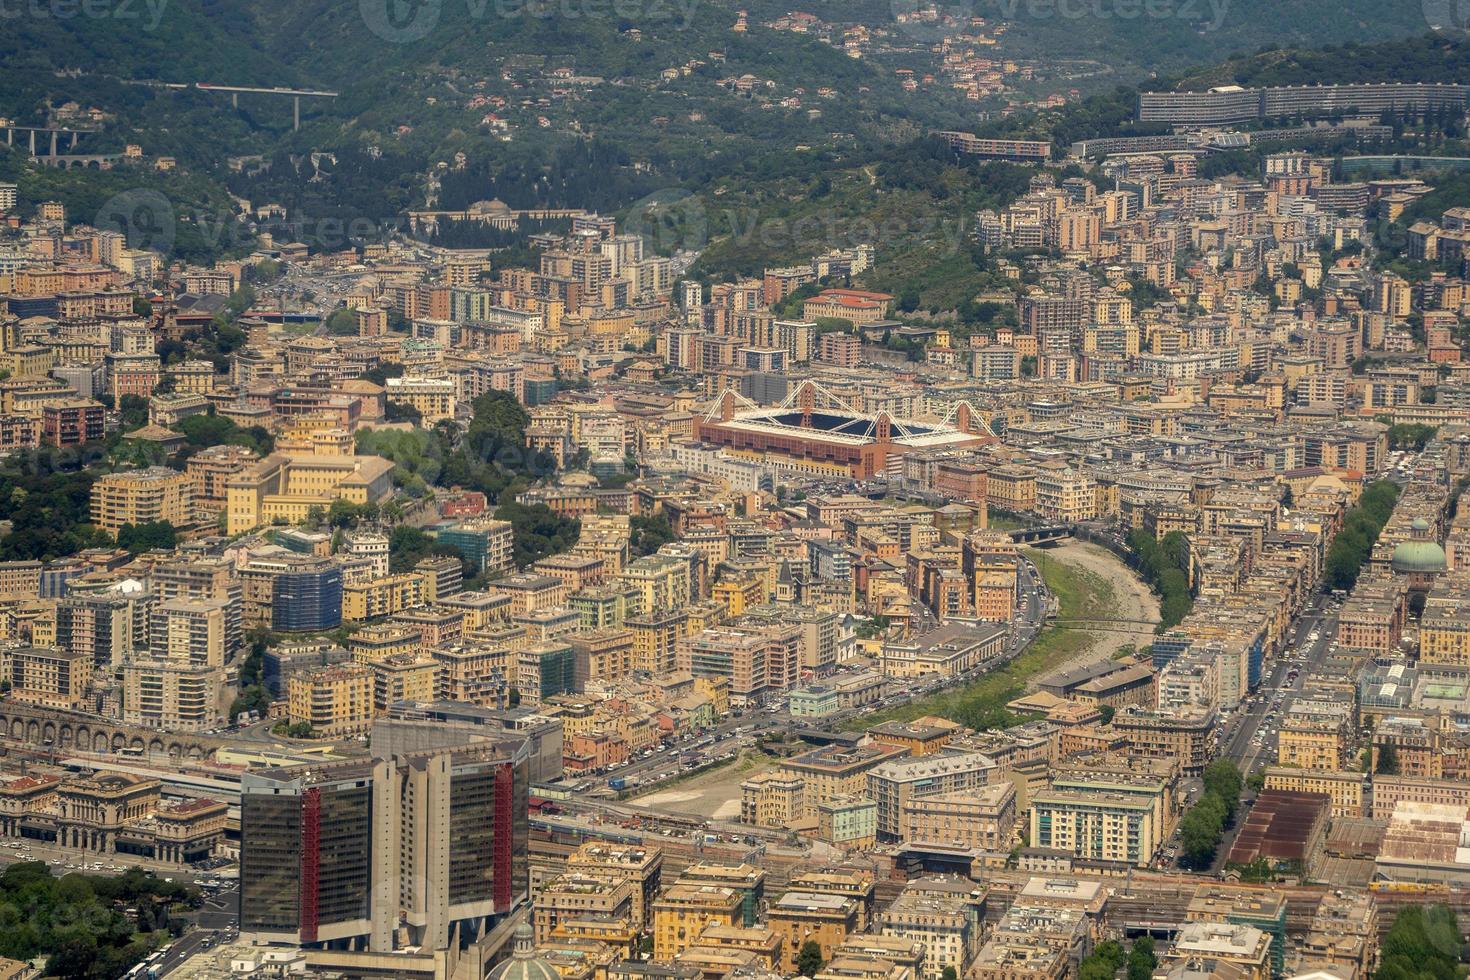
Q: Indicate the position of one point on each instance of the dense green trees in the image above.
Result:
(403, 412)
(539, 531)
(790, 307)
(341, 322)
(382, 373)
(1449, 191)
(408, 545)
(76, 921)
(1109, 957)
(1354, 542)
(344, 513)
(50, 511)
(1104, 962)
(589, 173)
(1141, 959)
(417, 454)
(1411, 436)
(911, 192)
(1165, 565)
(356, 196)
(254, 695)
(650, 533)
(809, 958)
(1418, 58)
(908, 298)
(1202, 827)
(138, 538)
(1388, 760)
(216, 430)
(1145, 294)
(478, 234)
(1424, 943)
(132, 412)
(492, 456)
(1199, 833)
(1223, 779)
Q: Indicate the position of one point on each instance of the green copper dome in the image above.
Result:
(1419, 557)
(524, 964)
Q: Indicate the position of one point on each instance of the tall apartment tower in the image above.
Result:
(692, 300)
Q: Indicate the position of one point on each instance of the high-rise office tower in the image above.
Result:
(422, 848)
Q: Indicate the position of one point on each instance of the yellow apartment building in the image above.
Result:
(685, 911)
(334, 700)
(143, 496)
(382, 596)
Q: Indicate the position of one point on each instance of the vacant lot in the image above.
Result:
(1104, 588)
(713, 794)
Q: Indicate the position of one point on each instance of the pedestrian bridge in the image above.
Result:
(1042, 535)
(1107, 625)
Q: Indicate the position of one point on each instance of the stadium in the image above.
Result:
(813, 431)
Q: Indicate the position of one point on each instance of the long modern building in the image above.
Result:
(424, 849)
(1231, 104)
(1026, 151)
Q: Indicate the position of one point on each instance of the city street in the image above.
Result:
(218, 922)
(66, 860)
(1249, 737)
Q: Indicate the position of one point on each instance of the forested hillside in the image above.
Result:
(582, 107)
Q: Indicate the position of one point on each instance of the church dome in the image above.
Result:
(524, 964)
(1419, 557)
(495, 206)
